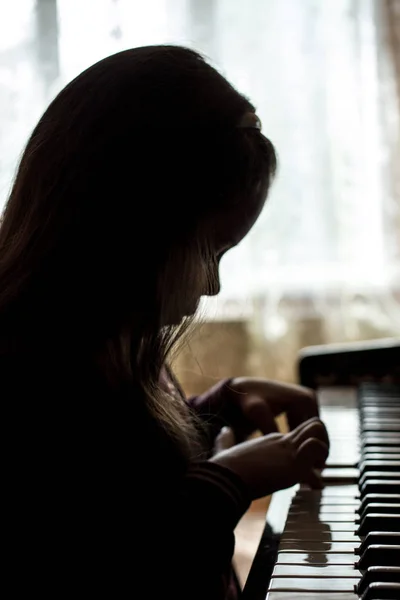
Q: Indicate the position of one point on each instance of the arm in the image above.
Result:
(212, 501)
(215, 407)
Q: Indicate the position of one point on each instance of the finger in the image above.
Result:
(303, 408)
(311, 428)
(225, 440)
(298, 402)
(259, 414)
(311, 454)
(313, 479)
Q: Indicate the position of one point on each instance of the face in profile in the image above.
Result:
(229, 230)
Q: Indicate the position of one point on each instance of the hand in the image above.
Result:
(252, 404)
(276, 461)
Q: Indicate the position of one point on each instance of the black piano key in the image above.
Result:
(392, 415)
(376, 507)
(372, 441)
(381, 422)
(394, 475)
(382, 591)
(382, 417)
(326, 529)
(367, 436)
(379, 410)
(376, 574)
(386, 538)
(379, 522)
(379, 465)
(377, 554)
(377, 486)
(377, 428)
(380, 498)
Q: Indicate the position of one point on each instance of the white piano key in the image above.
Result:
(314, 584)
(340, 474)
(350, 490)
(319, 535)
(312, 504)
(325, 517)
(313, 558)
(311, 596)
(316, 546)
(333, 571)
(324, 509)
(341, 508)
(340, 526)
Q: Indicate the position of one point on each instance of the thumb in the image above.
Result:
(310, 454)
(225, 440)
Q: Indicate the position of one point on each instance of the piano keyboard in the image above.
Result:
(343, 542)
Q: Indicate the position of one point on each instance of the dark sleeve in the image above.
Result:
(212, 501)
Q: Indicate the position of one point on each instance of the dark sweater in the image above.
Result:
(99, 503)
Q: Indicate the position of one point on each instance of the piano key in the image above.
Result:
(313, 502)
(323, 509)
(388, 424)
(365, 449)
(331, 475)
(315, 535)
(341, 526)
(380, 498)
(289, 545)
(377, 486)
(377, 554)
(381, 453)
(379, 522)
(315, 558)
(323, 517)
(349, 490)
(376, 574)
(379, 465)
(393, 475)
(311, 596)
(343, 462)
(376, 507)
(379, 410)
(312, 584)
(382, 591)
(380, 419)
(383, 436)
(295, 571)
(369, 441)
(339, 501)
(379, 537)
(371, 426)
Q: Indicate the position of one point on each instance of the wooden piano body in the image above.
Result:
(316, 544)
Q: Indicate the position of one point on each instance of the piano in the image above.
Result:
(341, 542)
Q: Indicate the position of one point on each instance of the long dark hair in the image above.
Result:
(110, 210)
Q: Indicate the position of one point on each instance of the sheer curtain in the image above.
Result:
(323, 262)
